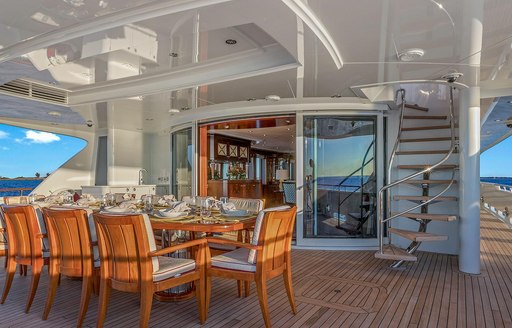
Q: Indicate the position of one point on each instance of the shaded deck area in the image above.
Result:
(333, 289)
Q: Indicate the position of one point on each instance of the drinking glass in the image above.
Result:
(205, 209)
(148, 204)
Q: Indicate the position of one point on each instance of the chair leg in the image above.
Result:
(208, 293)
(52, 287)
(87, 283)
(103, 302)
(146, 300)
(287, 277)
(239, 287)
(247, 287)
(36, 274)
(201, 298)
(10, 271)
(261, 287)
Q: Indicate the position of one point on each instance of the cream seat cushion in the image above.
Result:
(234, 260)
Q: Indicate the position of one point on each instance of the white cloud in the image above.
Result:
(3, 134)
(40, 137)
(4, 148)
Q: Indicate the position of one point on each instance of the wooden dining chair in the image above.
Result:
(131, 263)
(73, 253)
(267, 256)
(28, 245)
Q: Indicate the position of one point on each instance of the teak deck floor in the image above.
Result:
(333, 289)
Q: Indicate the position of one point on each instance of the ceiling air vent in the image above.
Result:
(35, 91)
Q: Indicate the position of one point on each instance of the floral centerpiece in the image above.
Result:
(236, 172)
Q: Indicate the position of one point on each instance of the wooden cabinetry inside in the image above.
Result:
(235, 188)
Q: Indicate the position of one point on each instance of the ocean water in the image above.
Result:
(18, 184)
(506, 181)
(332, 183)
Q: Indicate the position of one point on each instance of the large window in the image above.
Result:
(182, 152)
(339, 177)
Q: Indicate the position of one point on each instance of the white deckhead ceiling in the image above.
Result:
(193, 34)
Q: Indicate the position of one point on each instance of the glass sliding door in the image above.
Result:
(339, 183)
(182, 163)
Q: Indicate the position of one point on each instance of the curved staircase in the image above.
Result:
(423, 175)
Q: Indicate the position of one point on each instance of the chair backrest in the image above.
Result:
(271, 226)
(250, 204)
(71, 236)
(25, 228)
(15, 200)
(289, 192)
(124, 242)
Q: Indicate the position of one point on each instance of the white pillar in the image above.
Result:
(469, 138)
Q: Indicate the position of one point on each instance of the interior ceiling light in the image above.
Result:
(54, 113)
(306, 14)
(231, 42)
(104, 22)
(272, 98)
(174, 111)
(410, 55)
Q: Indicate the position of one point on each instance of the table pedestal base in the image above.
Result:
(166, 296)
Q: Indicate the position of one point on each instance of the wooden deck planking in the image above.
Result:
(428, 293)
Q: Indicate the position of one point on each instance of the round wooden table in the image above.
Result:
(223, 224)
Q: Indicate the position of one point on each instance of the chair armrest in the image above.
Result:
(171, 249)
(233, 243)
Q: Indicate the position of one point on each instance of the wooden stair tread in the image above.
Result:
(425, 117)
(429, 216)
(426, 139)
(423, 152)
(428, 127)
(423, 166)
(390, 252)
(430, 181)
(415, 106)
(425, 198)
(417, 236)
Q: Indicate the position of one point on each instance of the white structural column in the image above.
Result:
(469, 136)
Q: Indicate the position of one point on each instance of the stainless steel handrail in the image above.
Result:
(384, 217)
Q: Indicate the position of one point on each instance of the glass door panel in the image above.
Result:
(339, 177)
(182, 152)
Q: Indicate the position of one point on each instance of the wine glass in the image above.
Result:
(205, 209)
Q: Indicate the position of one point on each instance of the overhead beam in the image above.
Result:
(245, 64)
(495, 88)
(119, 18)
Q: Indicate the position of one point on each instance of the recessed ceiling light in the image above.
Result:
(264, 135)
(409, 55)
(231, 41)
(226, 126)
(174, 111)
(272, 98)
(288, 121)
(54, 113)
(497, 120)
(288, 129)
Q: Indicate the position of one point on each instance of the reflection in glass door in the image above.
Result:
(339, 177)
(182, 151)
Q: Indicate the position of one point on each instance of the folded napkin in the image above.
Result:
(129, 204)
(180, 207)
(166, 200)
(86, 199)
(227, 207)
(58, 199)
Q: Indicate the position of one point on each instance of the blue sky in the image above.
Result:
(24, 152)
(496, 162)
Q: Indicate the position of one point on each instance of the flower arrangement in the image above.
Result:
(236, 172)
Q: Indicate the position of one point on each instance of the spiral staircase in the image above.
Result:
(442, 129)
